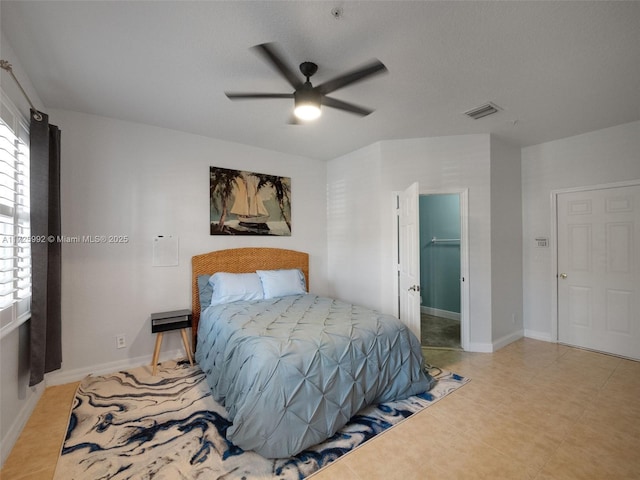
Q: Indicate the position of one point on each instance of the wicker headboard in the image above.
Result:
(240, 260)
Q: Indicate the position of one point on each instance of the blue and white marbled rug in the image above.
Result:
(132, 425)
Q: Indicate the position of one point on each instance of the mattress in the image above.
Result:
(293, 370)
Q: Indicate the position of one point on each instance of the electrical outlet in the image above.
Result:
(121, 341)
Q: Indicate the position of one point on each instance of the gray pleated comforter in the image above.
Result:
(293, 370)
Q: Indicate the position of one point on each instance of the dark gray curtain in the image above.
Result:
(45, 330)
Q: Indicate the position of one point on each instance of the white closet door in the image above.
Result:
(599, 270)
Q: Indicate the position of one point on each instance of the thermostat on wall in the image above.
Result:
(542, 242)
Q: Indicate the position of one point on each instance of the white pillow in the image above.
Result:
(280, 283)
(233, 287)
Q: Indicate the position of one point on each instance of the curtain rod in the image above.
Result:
(7, 66)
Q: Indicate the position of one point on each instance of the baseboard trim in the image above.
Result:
(507, 339)
(12, 435)
(436, 312)
(479, 347)
(496, 345)
(61, 377)
(535, 335)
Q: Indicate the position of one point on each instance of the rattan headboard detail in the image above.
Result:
(240, 260)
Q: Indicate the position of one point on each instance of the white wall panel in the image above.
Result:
(122, 178)
(506, 242)
(604, 156)
(361, 259)
(355, 227)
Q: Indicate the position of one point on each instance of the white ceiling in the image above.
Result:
(557, 68)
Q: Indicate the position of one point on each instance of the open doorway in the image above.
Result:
(407, 252)
(440, 275)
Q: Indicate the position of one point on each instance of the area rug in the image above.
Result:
(132, 425)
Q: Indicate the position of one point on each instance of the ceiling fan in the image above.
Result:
(307, 98)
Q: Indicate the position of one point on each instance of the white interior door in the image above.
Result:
(599, 269)
(409, 258)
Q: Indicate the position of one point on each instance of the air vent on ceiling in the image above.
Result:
(483, 111)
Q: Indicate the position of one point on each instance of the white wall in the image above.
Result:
(354, 226)
(360, 220)
(506, 243)
(604, 156)
(452, 162)
(122, 178)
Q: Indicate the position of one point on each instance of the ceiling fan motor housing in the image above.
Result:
(307, 94)
(308, 69)
(307, 102)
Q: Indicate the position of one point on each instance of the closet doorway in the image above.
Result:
(441, 278)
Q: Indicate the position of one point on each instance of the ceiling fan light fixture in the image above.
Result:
(307, 98)
(307, 105)
(307, 112)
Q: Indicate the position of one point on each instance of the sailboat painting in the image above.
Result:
(248, 203)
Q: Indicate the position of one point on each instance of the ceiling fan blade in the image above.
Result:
(269, 52)
(249, 96)
(373, 68)
(348, 107)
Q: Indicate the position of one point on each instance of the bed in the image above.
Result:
(292, 369)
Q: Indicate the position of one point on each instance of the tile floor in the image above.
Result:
(533, 410)
(35, 454)
(439, 332)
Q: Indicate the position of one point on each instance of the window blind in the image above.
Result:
(15, 233)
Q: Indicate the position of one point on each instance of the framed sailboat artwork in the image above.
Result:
(249, 203)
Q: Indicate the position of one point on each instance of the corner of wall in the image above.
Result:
(13, 433)
(506, 241)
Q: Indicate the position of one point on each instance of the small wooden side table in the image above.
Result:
(163, 322)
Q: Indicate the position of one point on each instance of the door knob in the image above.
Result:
(563, 276)
(414, 288)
